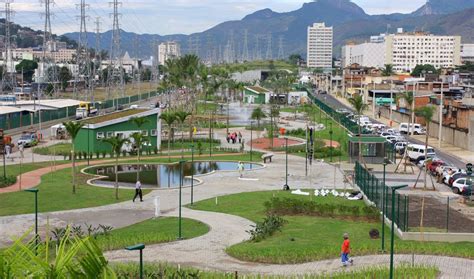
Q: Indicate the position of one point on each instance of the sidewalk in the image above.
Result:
(462, 154)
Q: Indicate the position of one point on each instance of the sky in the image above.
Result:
(170, 16)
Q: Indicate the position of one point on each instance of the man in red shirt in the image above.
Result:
(345, 250)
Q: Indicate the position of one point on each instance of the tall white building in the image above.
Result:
(319, 46)
(467, 53)
(404, 51)
(168, 50)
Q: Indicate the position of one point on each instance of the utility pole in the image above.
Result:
(269, 54)
(156, 63)
(98, 56)
(115, 73)
(137, 71)
(245, 52)
(281, 53)
(82, 56)
(9, 72)
(257, 55)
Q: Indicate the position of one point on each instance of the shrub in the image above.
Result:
(97, 154)
(268, 227)
(7, 181)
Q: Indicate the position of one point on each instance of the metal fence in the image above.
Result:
(23, 119)
(415, 213)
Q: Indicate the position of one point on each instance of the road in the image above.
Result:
(446, 157)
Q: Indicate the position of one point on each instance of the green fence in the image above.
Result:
(24, 119)
(373, 188)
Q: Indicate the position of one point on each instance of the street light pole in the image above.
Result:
(383, 204)
(181, 164)
(88, 143)
(35, 191)
(286, 187)
(251, 139)
(392, 234)
(440, 130)
(192, 174)
(330, 140)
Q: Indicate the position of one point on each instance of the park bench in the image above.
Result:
(267, 156)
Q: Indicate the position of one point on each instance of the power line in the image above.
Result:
(245, 53)
(82, 56)
(269, 54)
(115, 76)
(9, 73)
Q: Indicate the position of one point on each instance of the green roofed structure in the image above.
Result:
(256, 95)
(374, 149)
(95, 129)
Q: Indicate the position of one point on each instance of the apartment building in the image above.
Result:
(467, 53)
(167, 50)
(319, 46)
(404, 51)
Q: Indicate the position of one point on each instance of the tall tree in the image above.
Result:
(423, 69)
(357, 102)
(139, 139)
(169, 118)
(409, 99)
(64, 77)
(73, 129)
(274, 113)
(28, 68)
(427, 113)
(116, 143)
(181, 117)
(387, 70)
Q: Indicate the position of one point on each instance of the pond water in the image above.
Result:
(160, 176)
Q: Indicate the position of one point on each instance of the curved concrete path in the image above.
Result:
(207, 252)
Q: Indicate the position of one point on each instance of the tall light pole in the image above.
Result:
(35, 191)
(181, 178)
(192, 174)
(383, 204)
(286, 187)
(139, 247)
(440, 130)
(330, 139)
(392, 233)
(391, 101)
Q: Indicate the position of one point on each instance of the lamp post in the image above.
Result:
(251, 139)
(286, 187)
(35, 191)
(330, 140)
(192, 174)
(383, 204)
(392, 233)
(306, 152)
(440, 130)
(181, 164)
(139, 247)
(88, 143)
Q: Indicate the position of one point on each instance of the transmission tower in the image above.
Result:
(257, 55)
(269, 55)
(245, 52)
(8, 75)
(196, 45)
(281, 53)
(49, 76)
(155, 75)
(82, 56)
(136, 70)
(115, 78)
(98, 56)
(209, 51)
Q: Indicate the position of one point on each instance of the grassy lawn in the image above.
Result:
(56, 188)
(58, 149)
(307, 238)
(151, 231)
(130, 270)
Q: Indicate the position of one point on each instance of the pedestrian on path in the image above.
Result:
(21, 149)
(8, 151)
(138, 191)
(240, 137)
(346, 250)
(241, 168)
(228, 138)
(379, 113)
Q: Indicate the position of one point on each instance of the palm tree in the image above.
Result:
(116, 143)
(73, 129)
(74, 257)
(409, 98)
(181, 117)
(359, 106)
(169, 118)
(258, 114)
(427, 113)
(387, 70)
(139, 139)
(139, 121)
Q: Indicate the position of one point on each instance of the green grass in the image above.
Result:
(151, 231)
(56, 188)
(130, 270)
(58, 149)
(306, 238)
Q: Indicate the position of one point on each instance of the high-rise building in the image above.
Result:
(319, 46)
(167, 50)
(404, 51)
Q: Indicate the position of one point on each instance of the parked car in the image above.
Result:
(400, 146)
(28, 139)
(343, 111)
(460, 185)
(416, 152)
(455, 177)
(417, 128)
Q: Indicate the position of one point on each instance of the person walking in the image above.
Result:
(379, 113)
(241, 168)
(8, 151)
(138, 191)
(346, 250)
(21, 149)
(240, 137)
(228, 138)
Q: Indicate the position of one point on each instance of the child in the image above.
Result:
(345, 250)
(240, 167)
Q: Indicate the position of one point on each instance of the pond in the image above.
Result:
(160, 176)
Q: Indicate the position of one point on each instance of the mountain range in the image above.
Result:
(273, 34)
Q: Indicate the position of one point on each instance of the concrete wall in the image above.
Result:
(450, 135)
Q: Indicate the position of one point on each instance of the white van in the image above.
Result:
(417, 129)
(416, 152)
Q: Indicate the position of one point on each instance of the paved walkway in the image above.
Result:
(207, 252)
